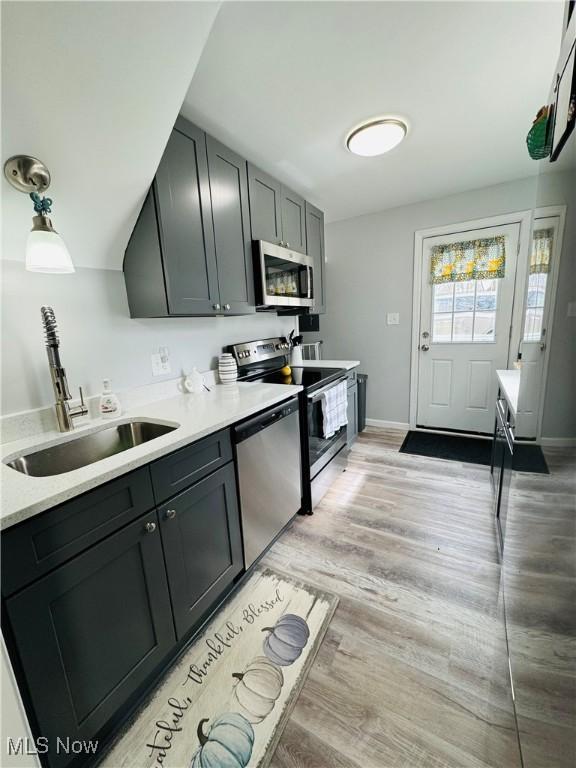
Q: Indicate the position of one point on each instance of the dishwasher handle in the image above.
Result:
(263, 420)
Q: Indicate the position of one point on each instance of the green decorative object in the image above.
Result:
(539, 139)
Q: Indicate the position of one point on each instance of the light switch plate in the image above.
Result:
(161, 362)
(393, 318)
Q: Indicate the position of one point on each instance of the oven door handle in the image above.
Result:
(313, 398)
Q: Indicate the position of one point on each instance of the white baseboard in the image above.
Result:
(387, 424)
(558, 442)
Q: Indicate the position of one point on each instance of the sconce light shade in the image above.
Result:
(45, 249)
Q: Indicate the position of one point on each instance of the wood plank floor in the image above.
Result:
(413, 672)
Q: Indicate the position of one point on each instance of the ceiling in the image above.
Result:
(282, 83)
(93, 90)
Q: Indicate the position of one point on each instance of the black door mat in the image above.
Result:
(527, 458)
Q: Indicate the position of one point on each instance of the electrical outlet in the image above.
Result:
(393, 318)
(161, 362)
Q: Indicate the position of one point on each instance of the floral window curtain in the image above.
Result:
(541, 250)
(468, 260)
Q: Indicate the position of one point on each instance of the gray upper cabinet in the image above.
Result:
(231, 218)
(265, 206)
(190, 251)
(185, 225)
(277, 214)
(293, 220)
(315, 244)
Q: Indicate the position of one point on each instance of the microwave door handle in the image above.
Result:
(309, 282)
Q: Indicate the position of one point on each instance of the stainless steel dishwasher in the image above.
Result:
(269, 475)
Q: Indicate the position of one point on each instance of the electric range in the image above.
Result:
(322, 457)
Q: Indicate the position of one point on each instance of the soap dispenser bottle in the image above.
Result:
(109, 403)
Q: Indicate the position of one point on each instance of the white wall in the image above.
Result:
(559, 418)
(93, 90)
(370, 273)
(98, 337)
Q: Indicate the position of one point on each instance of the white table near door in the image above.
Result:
(456, 381)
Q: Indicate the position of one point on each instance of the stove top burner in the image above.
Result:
(308, 377)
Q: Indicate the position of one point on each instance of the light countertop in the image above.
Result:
(509, 381)
(346, 364)
(197, 415)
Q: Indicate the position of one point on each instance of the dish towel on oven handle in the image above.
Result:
(334, 409)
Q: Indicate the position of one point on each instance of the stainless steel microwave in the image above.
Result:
(283, 278)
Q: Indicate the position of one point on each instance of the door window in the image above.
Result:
(537, 281)
(464, 311)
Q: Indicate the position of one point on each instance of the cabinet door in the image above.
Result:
(186, 233)
(203, 547)
(230, 214)
(352, 413)
(315, 247)
(90, 632)
(265, 206)
(293, 220)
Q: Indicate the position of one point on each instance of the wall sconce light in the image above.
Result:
(45, 249)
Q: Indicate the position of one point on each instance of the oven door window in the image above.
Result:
(318, 444)
(287, 279)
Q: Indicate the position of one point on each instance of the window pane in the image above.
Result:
(464, 296)
(485, 326)
(442, 328)
(443, 297)
(486, 294)
(533, 324)
(536, 290)
(463, 326)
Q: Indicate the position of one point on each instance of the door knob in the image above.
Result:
(424, 347)
(150, 527)
(170, 514)
(425, 334)
(542, 347)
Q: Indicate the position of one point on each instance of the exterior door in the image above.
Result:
(537, 302)
(464, 330)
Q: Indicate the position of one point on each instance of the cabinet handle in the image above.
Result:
(170, 514)
(226, 306)
(216, 306)
(150, 527)
(282, 243)
(287, 245)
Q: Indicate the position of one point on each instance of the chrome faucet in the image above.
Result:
(64, 413)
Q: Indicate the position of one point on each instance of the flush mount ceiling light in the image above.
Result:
(376, 137)
(45, 249)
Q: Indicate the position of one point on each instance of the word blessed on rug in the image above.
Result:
(226, 700)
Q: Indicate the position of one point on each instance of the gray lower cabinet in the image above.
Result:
(102, 592)
(315, 246)
(277, 214)
(199, 575)
(91, 632)
(190, 251)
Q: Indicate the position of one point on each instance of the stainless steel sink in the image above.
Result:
(87, 449)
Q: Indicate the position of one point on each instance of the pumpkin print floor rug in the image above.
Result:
(226, 700)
